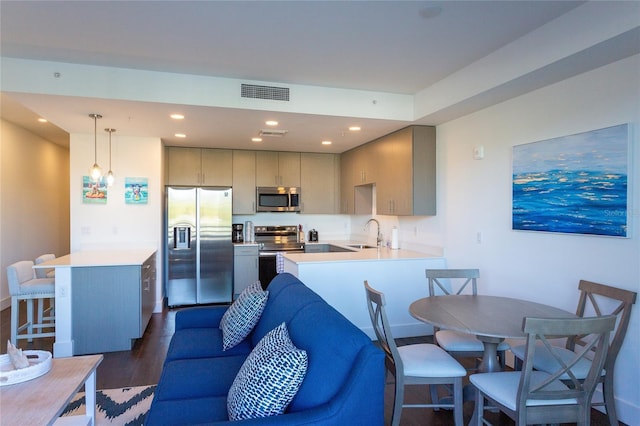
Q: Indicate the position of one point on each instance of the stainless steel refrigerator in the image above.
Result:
(199, 252)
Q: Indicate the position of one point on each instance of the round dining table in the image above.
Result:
(490, 318)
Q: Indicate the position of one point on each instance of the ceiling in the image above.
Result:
(380, 47)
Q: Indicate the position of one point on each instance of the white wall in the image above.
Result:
(34, 199)
(116, 225)
(475, 196)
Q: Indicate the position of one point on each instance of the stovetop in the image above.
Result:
(278, 238)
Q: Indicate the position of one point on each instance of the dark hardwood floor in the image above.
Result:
(143, 365)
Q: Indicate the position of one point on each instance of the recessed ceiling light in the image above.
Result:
(326, 142)
(354, 128)
(177, 116)
(180, 135)
(42, 120)
(271, 123)
(256, 139)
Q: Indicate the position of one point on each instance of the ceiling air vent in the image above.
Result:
(264, 92)
(274, 133)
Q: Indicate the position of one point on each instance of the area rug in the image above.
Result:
(122, 407)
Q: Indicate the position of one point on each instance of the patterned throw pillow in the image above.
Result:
(269, 378)
(238, 321)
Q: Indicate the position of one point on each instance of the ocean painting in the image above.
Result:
(136, 190)
(573, 184)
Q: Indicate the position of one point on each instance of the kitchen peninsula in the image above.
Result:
(338, 278)
(104, 299)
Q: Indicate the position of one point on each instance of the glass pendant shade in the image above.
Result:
(95, 171)
(110, 176)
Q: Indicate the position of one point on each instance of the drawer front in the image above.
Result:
(245, 250)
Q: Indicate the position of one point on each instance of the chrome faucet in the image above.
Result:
(379, 236)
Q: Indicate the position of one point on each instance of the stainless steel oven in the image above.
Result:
(271, 240)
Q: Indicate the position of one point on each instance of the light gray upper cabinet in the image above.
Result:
(319, 181)
(407, 182)
(244, 182)
(197, 166)
(217, 167)
(347, 183)
(183, 166)
(277, 168)
(402, 165)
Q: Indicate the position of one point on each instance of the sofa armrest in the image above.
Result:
(200, 317)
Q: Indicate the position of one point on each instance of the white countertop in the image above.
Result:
(100, 258)
(363, 255)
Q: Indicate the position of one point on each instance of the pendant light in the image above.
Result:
(95, 171)
(110, 177)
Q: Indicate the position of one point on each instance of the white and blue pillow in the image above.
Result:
(243, 315)
(269, 378)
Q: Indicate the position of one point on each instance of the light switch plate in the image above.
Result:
(478, 152)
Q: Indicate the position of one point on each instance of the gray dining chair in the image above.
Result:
(415, 364)
(595, 299)
(532, 396)
(456, 282)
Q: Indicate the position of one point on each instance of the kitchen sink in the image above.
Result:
(361, 246)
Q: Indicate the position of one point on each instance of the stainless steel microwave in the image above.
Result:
(277, 199)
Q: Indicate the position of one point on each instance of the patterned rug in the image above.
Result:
(122, 407)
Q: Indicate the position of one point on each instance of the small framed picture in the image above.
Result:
(94, 192)
(136, 190)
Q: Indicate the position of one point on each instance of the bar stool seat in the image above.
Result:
(23, 285)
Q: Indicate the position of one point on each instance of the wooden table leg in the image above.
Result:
(90, 397)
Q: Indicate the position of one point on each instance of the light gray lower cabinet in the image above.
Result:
(245, 267)
(111, 306)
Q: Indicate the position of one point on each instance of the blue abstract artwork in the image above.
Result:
(573, 184)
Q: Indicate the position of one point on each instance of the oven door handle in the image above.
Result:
(267, 253)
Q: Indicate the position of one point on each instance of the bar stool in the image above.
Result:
(45, 273)
(23, 285)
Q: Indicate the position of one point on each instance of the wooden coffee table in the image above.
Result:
(41, 401)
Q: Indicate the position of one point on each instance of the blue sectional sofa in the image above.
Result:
(344, 382)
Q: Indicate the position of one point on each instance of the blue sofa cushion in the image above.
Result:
(268, 379)
(198, 378)
(243, 315)
(333, 345)
(202, 343)
(190, 411)
(287, 297)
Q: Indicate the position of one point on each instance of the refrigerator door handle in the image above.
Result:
(181, 237)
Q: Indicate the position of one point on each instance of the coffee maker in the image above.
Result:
(237, 233)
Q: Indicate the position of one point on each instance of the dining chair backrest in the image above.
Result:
(382, 329)
(599, 300)
(543, 329)
(465, 278)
